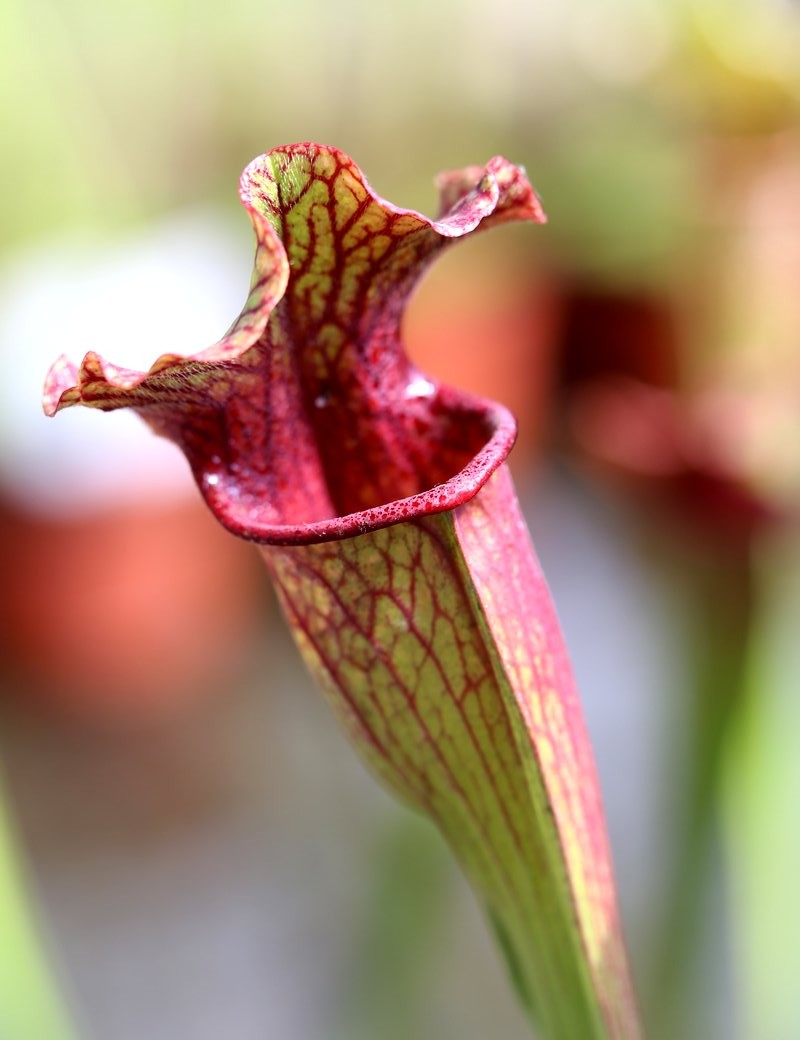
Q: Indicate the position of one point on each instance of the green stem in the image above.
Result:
(30, 1005)
(721, 611)
(762, 778)
(391, 974)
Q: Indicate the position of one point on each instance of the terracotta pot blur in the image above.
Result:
(487, 322)
(125, 616)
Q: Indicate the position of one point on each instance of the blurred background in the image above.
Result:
(189, 848)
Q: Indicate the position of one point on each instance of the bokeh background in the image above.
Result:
(190, 849)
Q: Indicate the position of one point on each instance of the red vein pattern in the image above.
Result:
(313, 372)
(437, 645)
(390, 526)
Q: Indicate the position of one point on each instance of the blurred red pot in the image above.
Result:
(110, 618)
(487, 321)
(121, 599)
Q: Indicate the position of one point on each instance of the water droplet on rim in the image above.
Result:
(420, 387)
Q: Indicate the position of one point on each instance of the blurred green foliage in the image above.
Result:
(30, 1005)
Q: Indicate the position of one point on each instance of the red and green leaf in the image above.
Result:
(390, 526)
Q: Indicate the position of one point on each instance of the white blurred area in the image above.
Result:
(175, 286)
